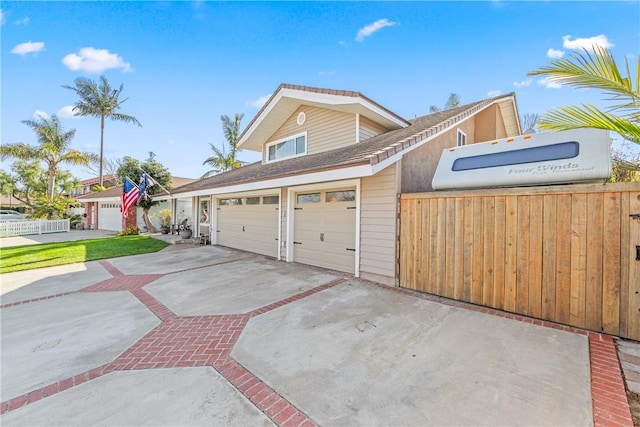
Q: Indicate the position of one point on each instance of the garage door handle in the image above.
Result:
(297, 243)
(243, 228)
(349, 249)
(322, 237)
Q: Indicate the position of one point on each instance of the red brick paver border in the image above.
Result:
(608, 392)
(185, 341)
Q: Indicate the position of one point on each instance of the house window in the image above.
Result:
(340, 196)
(270, 200)
(253, 200)
(462, 138)
(230, 202)
(291, 147)
(309, 198)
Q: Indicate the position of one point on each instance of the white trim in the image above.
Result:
(291, 193)
(357, 127)
(282, 140)
(302, 117)
(214, 220)
(279, 224)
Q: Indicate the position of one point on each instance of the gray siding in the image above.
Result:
(378, 223)
(326, 129)
(369, 129)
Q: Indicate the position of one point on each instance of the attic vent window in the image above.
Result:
(290, 147)
(301, 118)
(462, 138)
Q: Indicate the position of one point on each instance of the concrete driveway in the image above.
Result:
(211, 336)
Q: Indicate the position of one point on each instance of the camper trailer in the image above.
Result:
(575, 156)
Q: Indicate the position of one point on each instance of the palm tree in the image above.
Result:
(53, 149)
(100, 100)
(223, 161)
(595, 69)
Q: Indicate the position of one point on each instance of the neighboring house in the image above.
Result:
(86, 185)
(333, 164)
(102, 208)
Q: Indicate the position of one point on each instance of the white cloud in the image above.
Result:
(23, 21)
(2, 19)
(326, 73)
(40, 115)
(586, 43)
(494, 93)
(374, 27)
(523, 83)
(27, 47)
(555, 54)
(546, 82)
(93, 60)
(258, 103)
(67, 112)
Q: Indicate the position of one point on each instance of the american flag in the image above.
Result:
(129, 196)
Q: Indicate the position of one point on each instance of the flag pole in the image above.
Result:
(159, 185)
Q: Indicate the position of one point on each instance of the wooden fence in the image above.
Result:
(567, 254)
(39, 226)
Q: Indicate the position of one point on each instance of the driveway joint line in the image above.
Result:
(296, 297)
(27, 301)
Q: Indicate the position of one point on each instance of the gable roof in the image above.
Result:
(371, 152)
(288, 98)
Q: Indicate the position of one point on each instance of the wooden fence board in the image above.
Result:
(536, 215)
(549, 242)
(593, 285)
(499, 253)
(611, 265)
(565, 255)
(563, 259)
(488, 267)
(634, 268)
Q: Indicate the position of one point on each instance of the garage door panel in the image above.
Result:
(253, 228)
(325, 230)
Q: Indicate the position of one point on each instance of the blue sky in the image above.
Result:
(183, 64)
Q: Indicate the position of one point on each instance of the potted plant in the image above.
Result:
(165, 221)
(185, 230)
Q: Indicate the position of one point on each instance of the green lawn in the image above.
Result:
(29, 257)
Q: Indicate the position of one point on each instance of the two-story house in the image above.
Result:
(333, 163)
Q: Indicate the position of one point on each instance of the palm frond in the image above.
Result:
(589, 116)
(593, 69)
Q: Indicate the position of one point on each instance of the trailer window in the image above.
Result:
(563, 150)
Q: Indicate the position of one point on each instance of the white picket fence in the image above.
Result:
(38, 226)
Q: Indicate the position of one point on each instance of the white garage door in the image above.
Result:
(324, 229)
(249, 223)
(110, 217)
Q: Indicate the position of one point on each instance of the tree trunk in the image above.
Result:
(147, 221)
(101, 149)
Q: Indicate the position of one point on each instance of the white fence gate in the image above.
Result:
(23, 228)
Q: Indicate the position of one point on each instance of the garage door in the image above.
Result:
(249, 223)
(110, 217)
(324, 229)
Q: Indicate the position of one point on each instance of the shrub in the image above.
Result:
(129, 231)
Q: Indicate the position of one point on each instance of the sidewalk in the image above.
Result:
(36, 239)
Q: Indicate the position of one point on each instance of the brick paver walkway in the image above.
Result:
(208, 341)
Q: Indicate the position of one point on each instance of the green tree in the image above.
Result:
(596, 69)
(623, 160)
(51, 207)
(223, 161)
(132, 168)
(452, 102)
(53, 149)
(103, 101)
